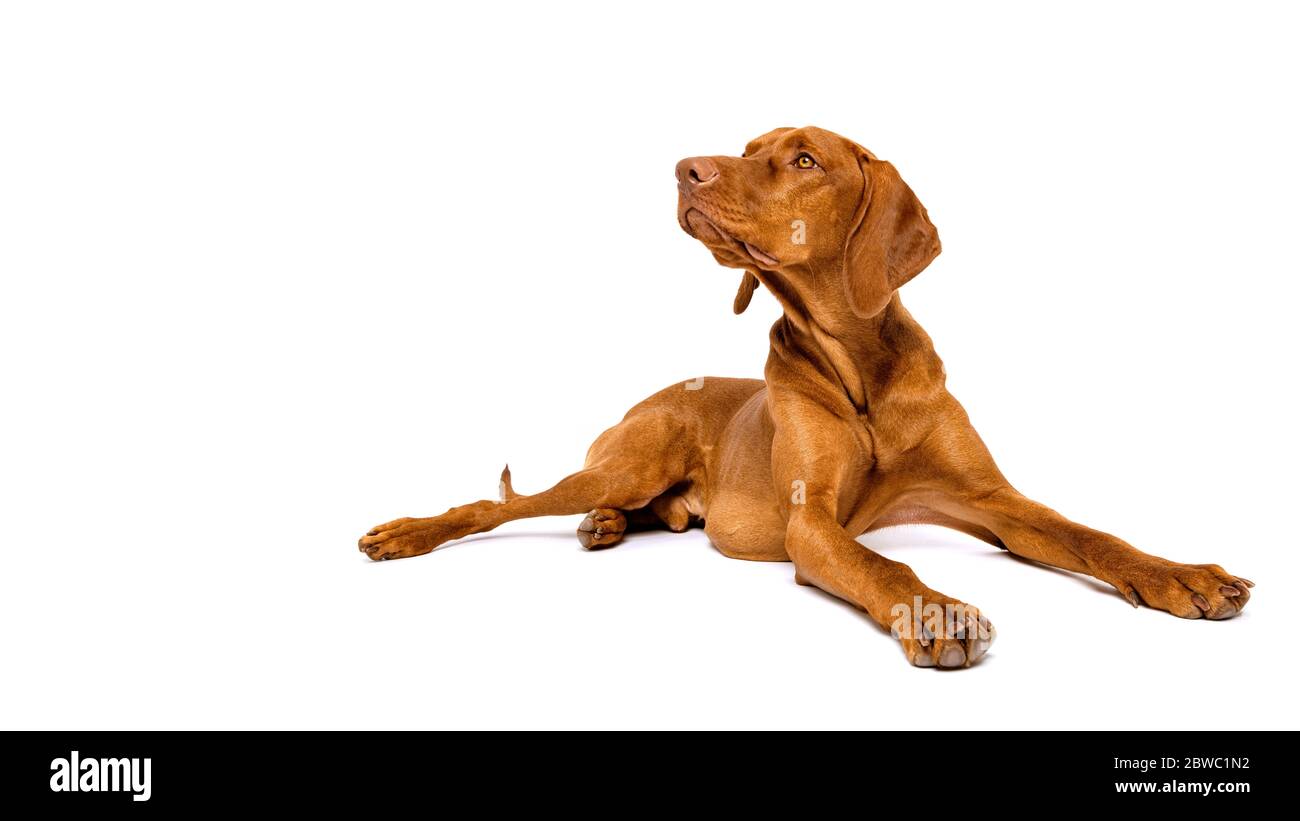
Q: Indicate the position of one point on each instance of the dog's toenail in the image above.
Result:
(1199, 601)
(1227, 611)
(952, 656)
(1229, 591)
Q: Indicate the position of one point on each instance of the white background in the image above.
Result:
(276, 272)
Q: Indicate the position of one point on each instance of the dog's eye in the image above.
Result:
(805, 160)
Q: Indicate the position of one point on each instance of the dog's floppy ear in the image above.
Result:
(747, 285)
(891, 239)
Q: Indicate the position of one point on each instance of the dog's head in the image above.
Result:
(803, 205)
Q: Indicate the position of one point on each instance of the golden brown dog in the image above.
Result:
(851, 431)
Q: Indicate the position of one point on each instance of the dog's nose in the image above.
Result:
(693, 172)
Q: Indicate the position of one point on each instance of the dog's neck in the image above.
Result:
(860, 358)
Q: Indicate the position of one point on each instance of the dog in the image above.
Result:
(851, 429)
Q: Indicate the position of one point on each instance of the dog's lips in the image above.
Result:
(766, 259)
(757, 254)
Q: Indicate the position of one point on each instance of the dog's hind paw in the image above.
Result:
(603, 527)
(399, 539)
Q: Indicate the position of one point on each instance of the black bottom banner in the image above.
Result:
(145, 771)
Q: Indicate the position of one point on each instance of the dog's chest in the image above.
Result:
(891, 436)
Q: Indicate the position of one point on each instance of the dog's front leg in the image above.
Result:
(934, 629)
(1037, 532)
(977, 492)
(812, 462)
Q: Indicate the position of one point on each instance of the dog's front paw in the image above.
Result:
(941, 632)
(1190, 591)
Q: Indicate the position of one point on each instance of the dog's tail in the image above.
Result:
(506, 489)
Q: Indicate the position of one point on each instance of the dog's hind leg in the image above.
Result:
(628, 467)
(595, 489)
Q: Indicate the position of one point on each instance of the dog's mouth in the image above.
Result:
(766, 259)
(698, 225)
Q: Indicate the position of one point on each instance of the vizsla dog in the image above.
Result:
(852, 429)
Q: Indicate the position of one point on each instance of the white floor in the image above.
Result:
(521, 628)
